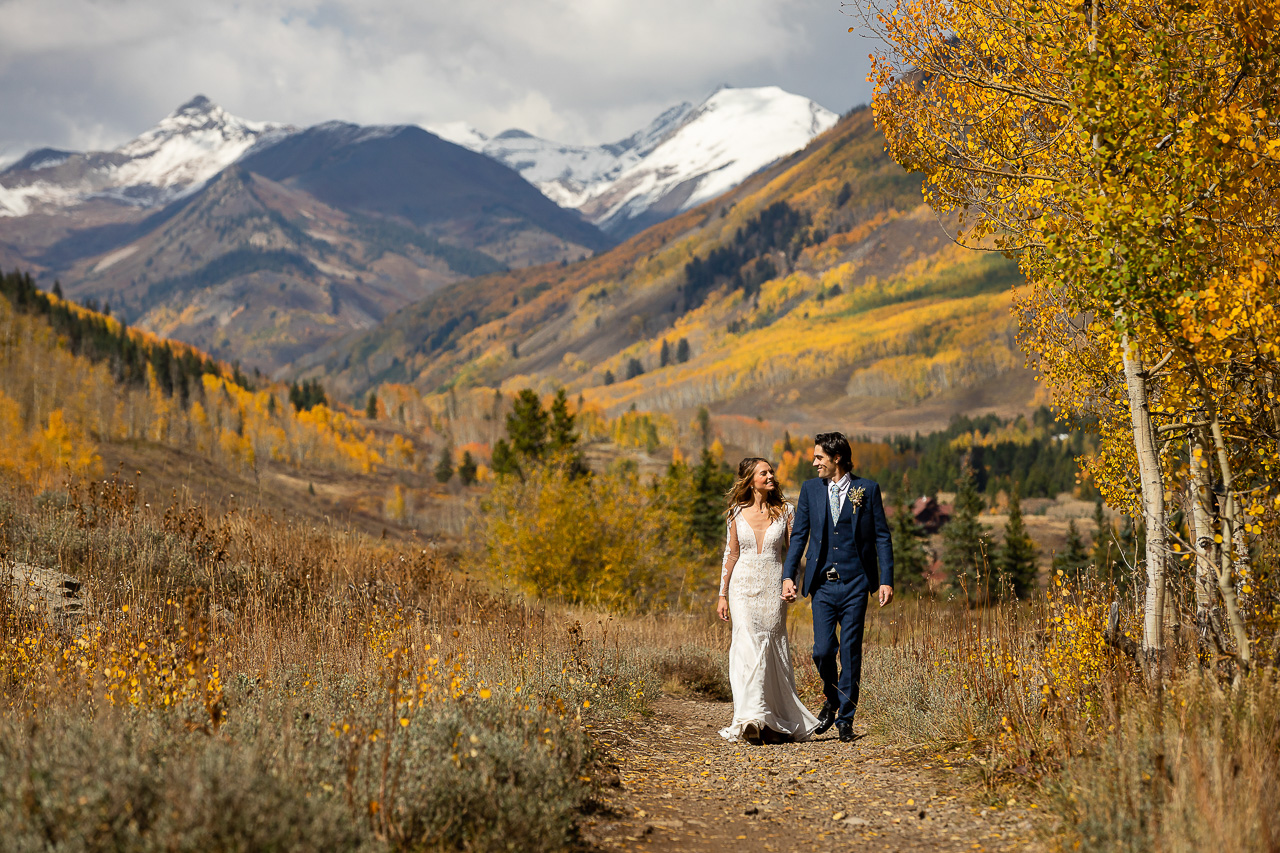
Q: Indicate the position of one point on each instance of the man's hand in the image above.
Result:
(788, 589)
(722, 609)
(886, 594)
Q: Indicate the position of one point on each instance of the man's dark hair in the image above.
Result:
(835, 445)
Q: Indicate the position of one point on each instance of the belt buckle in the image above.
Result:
(832, 574)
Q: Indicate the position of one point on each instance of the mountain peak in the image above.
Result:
(198, 104)
(684, 157)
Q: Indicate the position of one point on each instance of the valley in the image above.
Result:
(819, 291)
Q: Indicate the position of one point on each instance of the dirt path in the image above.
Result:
(682, 787)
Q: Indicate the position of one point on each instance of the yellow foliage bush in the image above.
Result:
(603, 540)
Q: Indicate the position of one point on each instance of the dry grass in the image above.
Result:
(242, 681)
(1034, 704)
(246, 681)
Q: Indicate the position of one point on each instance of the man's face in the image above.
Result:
(825, 464)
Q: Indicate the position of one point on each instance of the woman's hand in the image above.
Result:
(722, 609)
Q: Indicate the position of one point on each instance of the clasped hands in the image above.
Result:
(884, 596)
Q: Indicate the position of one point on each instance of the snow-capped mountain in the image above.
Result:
(176, 157)
(682, 158)
(686, 156)
(567, 173)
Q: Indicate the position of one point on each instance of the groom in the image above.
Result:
(850, 555)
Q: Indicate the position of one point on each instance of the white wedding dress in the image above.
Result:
(764, 684)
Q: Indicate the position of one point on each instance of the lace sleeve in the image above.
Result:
(730, 554)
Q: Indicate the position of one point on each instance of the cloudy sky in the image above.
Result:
(91, 74)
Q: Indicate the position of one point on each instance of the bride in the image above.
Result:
(766, 708)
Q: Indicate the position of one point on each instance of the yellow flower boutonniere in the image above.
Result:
(856, 496)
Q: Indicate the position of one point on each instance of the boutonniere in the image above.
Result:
(856, 496)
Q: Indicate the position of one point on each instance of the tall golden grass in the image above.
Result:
(240, 680)
(1035, 702)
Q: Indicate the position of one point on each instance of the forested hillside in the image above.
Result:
(820, 291)
(82, 394)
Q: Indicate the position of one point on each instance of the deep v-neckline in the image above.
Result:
(755, 540)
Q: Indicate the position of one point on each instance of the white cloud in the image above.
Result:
(93, 73)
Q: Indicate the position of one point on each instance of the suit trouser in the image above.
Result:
(843, 603)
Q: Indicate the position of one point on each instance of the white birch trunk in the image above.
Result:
(1229, 562)
(1202, 530)
(1153, 508)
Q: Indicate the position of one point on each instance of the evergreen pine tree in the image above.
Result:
(704, 426)
(964, 542)
(504, 460)
(371, 407)
(711, 480)
(608, 377)
(562, 440)
(1073, 558)
(910, 559)
(664, 357)
(444, 468)
(682, 351)
(527, 427)
(1015, 561)
(467, 468)
(560, 434)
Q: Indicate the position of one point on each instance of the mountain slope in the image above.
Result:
(252, 270)
(819, 291)
(684, 157)
(411, 174)
(567, 173)
(307, 236)
(189, 146)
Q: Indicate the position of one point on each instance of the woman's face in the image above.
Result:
(763, 480)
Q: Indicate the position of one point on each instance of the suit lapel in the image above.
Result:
(826, 511)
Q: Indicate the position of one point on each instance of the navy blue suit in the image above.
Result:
(859, 547)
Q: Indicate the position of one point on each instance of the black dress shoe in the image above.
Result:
(826, 717)
(846, 732)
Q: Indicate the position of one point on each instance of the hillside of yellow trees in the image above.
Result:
(81, 393)
(820, 291)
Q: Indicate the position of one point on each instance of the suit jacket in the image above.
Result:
(873, 544)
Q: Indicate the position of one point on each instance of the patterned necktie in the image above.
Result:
(833, 492)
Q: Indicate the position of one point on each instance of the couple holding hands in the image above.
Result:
(841, 519)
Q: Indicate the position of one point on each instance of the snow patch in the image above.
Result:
(686, 156)
(115, 257)
(172, 159)
(459, 133)
(731, 136)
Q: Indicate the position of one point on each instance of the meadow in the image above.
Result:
(235, 680)
(182, 669)
(241, 680)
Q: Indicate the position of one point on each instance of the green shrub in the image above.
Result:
(695, 669)
(311, 772)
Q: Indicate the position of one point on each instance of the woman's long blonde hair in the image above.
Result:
(741, 494)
